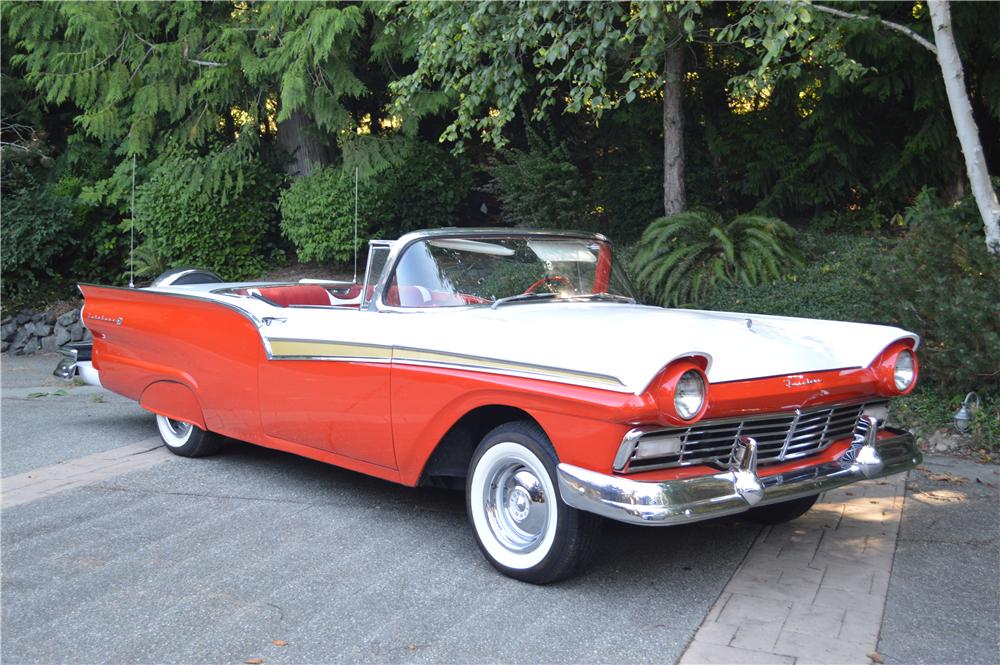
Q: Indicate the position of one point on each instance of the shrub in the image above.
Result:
(37, 229)
(540, 188)
(629, 193)
(226, 231)
(317, 214)
(940, 282)
(425, 190)
(682, 256)
(830, 284)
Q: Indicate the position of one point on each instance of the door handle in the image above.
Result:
(268, 320)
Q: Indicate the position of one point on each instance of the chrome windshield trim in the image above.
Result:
(405, 241)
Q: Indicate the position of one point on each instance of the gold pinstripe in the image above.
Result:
(290, 349)
(297, 348)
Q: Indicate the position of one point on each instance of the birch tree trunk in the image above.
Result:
(674, 200)
(965, 124)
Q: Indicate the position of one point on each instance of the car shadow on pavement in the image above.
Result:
(625, 554)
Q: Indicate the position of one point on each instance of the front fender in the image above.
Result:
(585, 425)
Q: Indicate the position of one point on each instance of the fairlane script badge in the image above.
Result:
(793, 383)
(100, 317)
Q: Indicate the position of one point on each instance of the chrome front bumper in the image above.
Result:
(738, 489)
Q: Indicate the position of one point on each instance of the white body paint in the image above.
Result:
(631, 343)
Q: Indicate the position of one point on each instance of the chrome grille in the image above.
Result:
(780, 437)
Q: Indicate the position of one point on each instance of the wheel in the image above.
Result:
(777, 513)
(185, 439)
(521, 525)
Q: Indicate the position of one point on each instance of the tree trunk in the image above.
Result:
(305, 149)
(674, 200)
(965, 124)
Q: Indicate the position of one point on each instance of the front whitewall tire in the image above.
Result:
(522, 526)
(497, 515)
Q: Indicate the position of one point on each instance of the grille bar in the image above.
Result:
(779, 437)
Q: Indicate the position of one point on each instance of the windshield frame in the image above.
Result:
(405, 242)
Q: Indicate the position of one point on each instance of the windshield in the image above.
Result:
(452, 272)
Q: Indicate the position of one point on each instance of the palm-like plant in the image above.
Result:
(681, 256)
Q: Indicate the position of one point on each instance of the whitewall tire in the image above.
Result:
(521, 524)
(187, 440)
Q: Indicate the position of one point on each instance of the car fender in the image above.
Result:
(173, 400)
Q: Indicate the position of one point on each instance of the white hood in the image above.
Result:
(633, 343)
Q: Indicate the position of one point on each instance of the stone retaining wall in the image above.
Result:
(30, 332)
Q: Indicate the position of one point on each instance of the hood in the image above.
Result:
(632, 343)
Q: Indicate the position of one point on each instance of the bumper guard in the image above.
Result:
(740, 487)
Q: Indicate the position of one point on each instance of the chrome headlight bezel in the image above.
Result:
(689, 395)
(904, 370)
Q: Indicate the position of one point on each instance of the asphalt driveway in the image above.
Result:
(214, 560)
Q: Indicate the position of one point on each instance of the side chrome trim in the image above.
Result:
(187, 296)
(481, 363)
(292, 349)
(736, 490)
(305, 349)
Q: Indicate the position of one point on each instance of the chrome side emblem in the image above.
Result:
(795, 383)
(100, 317)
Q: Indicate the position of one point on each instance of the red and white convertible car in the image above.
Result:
(516, 364)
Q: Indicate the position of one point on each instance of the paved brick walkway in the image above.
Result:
(55, 478)
(812, 590)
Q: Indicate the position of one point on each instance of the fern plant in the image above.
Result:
(682, 256)
(150, 259)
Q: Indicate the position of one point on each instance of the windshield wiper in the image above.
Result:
(523, 297)
(610, 297)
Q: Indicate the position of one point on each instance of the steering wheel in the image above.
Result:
(548, 279)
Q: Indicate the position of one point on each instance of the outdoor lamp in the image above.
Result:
(964, 414)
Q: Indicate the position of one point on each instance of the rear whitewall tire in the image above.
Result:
(185, 439)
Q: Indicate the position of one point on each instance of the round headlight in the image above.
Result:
(689, 395)
(904, 370)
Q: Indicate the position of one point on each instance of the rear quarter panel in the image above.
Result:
(142, 337)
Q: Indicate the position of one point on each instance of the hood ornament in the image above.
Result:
(749, 324)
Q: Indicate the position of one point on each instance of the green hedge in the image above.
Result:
(37, 231)
(424, 190)
(227, 231)
(833, 284)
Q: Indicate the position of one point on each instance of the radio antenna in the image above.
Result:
(131, 240)
(355, 280)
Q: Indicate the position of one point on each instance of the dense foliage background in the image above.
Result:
(827, 185)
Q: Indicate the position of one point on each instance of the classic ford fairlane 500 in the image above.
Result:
(516, 364)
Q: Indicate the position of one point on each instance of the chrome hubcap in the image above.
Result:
(178, 428)
(515, 504)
